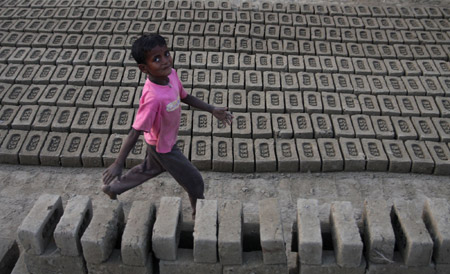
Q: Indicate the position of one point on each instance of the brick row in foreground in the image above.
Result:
(403, 237)
(234, 154)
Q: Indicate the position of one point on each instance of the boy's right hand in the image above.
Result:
(111, 172)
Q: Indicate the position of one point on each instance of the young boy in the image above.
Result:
(158, 117)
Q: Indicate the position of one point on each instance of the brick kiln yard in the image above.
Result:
(366, 89)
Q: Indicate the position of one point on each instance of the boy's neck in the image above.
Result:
(163, 81)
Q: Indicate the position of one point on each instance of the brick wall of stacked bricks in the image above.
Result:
(404, 237)
(312, 87)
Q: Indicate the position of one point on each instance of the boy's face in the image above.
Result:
(158, 62)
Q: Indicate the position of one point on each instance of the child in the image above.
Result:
(158, 117)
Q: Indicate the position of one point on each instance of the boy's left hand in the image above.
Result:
(223, 115)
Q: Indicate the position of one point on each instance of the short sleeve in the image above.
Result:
(183, 93)
(145, 117)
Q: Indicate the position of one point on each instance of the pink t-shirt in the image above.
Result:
(159, 113)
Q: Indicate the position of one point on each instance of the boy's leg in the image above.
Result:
(185, 173)
(139, 174)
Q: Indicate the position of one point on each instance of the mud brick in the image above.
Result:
(356, 50)
(201, 94)
(265, 158)
(432, 85)
(339, 49)
(293, 101)
(370, 23)
(323, 48)
(376, 157)
(328, 64)
(18, 55)
(331, 103)
(342, 83)
(313, 20)
(306, 47)
(274, 46)
(403, 52)
(13, 95)
(35, 235)
(185, 76)
(222, 156)
(295, 63)
(24, 117)
(87, 96)
(26, 40)
(234, 80)
(388, 105)
(34, 56)
(369, 104)
(93, 151)
(312, 102)
(364, 35)
(411, 68)
(342, 125)
(279, 63)
(29, 154)
(428, 68)
(427, 106)
(263, 62)
(443, 67)
(12, 143)
(26, 74)
(422, 162)
(5, 53)
(68, 96)
(32, 95)
(308, 151)
(363, 126)
(407, 105)
(61, 74)
(50, 56)
(82, 57)
(131, 76)
(242, 126)
(341, 22)
(322, 125)
(282, 127)
(119, 41)
(11, 39)
(113, 76)
(387, 52)
(87, 41)
(312, 63)
(411, 230)
(10, 73)
(361, 66)
(331, 155)
(353, 154)
(383, 127)
(102, 121)
(399, 161)
(443, 104)
(63, 119)
(345, 65)
(237, 100)
(198, 59)
(99, 57)
(379, 235)
(287, 33)
(78, 75)
(83, 120)
(436, 52)
(182, 59)
(244, 159)
(212, 43)
(256, 101)
(71, 152)
(419, 52)
(112, 148)
(196, 43)
(413, 85)
(395, 85)
(404, 128)
(44, 118)
(124, 97)
(442, 126)
(275, 101)
(52, 148)
(96, 75)
(350, 104)
(202, 123)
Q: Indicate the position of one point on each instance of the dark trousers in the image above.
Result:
(174, 162)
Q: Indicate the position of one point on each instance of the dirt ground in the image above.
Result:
(20, 186)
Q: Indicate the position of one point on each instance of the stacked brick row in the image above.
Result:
(403, 237)
(349, 76)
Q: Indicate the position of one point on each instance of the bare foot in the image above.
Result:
(106, 189)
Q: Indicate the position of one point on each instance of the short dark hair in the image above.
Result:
(144, 44)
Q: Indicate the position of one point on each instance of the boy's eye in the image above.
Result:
(156, 59)
(167, 54)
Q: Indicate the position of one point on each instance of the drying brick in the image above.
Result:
(12, 143)
(331, 155)
(376, 158)
(29, 154)
(353, 154)
(243, 155)
(265, 158)
(399, 160)
(271, 232)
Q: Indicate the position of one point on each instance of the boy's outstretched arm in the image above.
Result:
(115, 169)
(220, 113)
